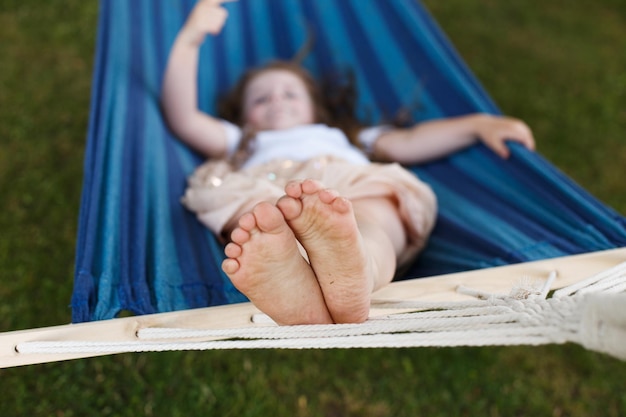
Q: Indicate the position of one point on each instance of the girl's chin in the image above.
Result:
(284, 125)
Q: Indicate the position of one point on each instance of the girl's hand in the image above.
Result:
(434, 139)
(494, 131)
(207, 17)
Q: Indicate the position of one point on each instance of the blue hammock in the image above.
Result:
(138, 249)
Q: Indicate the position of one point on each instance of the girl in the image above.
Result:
(314, 227)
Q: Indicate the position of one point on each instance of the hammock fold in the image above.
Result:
(138, 249)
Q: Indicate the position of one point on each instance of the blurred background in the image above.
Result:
(557, 64)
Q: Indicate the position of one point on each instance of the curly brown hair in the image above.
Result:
(333, 102)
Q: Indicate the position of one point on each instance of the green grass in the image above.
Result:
(559, 65)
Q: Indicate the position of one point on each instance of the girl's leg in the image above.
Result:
(383, 233)
(264, 262)
(352, 247)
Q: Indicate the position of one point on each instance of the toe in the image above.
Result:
(290, 207)
(311, 186)
(240, 236)
(294, 189)
(247, 222)
(341, 205)
(230, 266)
(328, 196)
(233, 250)
(269, 218)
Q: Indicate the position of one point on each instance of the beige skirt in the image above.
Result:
(219, 195)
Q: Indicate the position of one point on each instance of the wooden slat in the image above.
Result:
(570, 269)
(500, 280)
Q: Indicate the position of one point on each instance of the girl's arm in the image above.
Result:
(437, 138)
(179, 92)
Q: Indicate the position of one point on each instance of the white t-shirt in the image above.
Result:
(302, 143)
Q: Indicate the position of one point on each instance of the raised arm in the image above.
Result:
(437, 138)
(179, 95)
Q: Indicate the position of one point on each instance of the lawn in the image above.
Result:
(559, 65)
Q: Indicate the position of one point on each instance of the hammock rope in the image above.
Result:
(590, 313)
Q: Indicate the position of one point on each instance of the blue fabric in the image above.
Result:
(138, 249)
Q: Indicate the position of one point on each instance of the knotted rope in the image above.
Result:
(591, 313)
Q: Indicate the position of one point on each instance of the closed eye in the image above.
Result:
(291, 94)
(260, 100)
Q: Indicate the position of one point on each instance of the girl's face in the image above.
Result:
(277, 99)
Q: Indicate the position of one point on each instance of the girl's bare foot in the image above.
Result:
(265, 263)
(325, 224)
